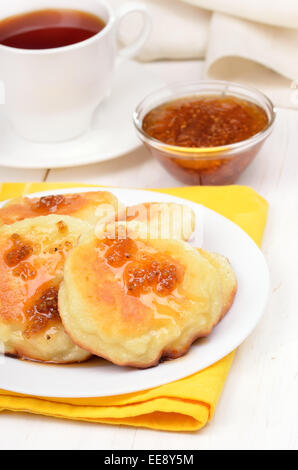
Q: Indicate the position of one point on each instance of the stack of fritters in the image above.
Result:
(82, 276)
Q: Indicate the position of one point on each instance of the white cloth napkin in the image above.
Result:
(254, 54)
(180, 31)
(273, 12)
(251, 42)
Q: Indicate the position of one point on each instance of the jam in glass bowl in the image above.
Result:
(207, 132)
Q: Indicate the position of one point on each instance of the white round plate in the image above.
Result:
(113, 118)
(99, 378)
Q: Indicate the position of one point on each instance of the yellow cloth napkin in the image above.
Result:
(185, 405)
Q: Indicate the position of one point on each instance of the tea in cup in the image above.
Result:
(57, 61)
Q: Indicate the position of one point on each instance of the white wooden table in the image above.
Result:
(259, 405)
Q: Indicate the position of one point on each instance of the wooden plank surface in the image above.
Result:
(258, 408)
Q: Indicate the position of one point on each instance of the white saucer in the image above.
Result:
(100, 378)
(111, 135)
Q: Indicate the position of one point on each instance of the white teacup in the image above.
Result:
(51, 94)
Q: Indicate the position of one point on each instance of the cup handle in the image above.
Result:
(133, 49)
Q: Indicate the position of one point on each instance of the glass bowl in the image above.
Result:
(212, 165)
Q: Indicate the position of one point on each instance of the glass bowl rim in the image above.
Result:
(197, 152)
